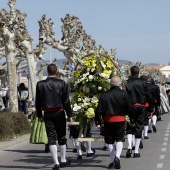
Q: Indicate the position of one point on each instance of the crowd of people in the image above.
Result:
(22, 92)
(131, 110)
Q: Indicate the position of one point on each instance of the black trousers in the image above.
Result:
(157, 111)
(55, 123)
(146, 119)
(75, 129)
(114, 132)
(140, 115)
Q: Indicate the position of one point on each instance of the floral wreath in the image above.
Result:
(90, 78)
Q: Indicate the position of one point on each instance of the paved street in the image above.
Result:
(21, 155)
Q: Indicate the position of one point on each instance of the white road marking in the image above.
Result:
(165, 144)
(163, 149)
(159, 165)
(166, 134)
(161, 156)
(166, 139)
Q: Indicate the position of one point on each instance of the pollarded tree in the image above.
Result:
(18, 45)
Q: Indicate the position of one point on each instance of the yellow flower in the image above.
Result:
(107, 72)
(109, 64)
(76, 74)
(90, 113)
(87, 63)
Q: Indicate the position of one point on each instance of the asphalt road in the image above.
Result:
(20, 155)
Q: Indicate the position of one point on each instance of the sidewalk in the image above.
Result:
(14, 141)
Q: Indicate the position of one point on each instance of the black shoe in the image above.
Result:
(47, 150)
(83, 148)
(74, 150)
(146, 137)
(133, 148)
(149, 131)
(136, 155)
(91, 154)
(117, 163)
(159, 119)
(154, 128)
(128, 153)
(104, 148)
(141, 144)
(79, 157)
(110, 166)
(56, 167)
(65, 164)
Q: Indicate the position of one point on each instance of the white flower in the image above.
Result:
(85, 104)
(92, 69)
(103, 65)
(76, 107)
(99, 88)
(94, 99)
(79, 99)
(104, 75)
(88, 69)
(90, 77)
(86, 99)
(85, 75)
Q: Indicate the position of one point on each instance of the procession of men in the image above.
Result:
(139, 99)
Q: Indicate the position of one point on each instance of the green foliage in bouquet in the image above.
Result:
(90, 78)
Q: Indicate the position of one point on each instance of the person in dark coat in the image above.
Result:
(113, 105)
(139, 96)
(53, 98)
(157, 102)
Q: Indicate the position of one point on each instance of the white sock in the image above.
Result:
(111, 149)
(74, 140)
(88, 143)
(133, 140)
(53, 151)
(150, 124)
(145, 130)
(154, 119)
(79, 150)
(63, 153)
(119, 147)
(137, 143)
(129, 139)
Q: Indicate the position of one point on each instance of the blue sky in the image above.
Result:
(138, 29)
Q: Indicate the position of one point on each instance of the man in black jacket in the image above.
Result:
(139, 96)
(53, 98)
(113, 105)
(157, 101)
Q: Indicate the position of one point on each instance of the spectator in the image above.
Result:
(4, 93)
(23, 96)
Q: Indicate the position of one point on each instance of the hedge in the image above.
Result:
(13, 124)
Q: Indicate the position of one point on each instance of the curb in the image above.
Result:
(14, 141)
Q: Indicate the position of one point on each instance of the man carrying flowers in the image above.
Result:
(113, 105)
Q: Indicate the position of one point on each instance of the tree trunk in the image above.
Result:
(12, 81)
(32, 72)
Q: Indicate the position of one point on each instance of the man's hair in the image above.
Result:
(52, 69)
(115, 81)
(134, 70)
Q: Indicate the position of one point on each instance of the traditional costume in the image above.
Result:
(113, 105)
(139, 96)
